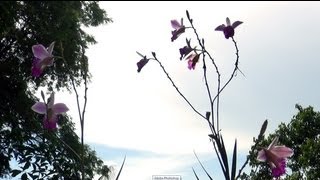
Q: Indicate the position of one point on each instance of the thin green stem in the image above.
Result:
(260, 137)
(81, 116)
(203, 49)
(68, 147)
(174, 85)
(233, 72)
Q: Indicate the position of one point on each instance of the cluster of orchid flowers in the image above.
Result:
(187, 52)
(274, 155)
(43, 58)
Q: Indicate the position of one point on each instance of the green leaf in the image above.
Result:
(234, 161)
(121, 168)
(27, 165)
(202, 165)
(224, 156)
(34, 167)
(33, 176)
(24, 176)
(15, 172)
(195, 174)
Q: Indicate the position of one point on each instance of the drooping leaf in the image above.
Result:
(234, 161)
(204, 169)
(121, 168)
(195, 174)
(26, 165)
(15, 172)
(224, 156)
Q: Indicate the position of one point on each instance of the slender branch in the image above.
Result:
(218, 102)
(68, 147)
(72, 81)
(206, 79)
(234, 70)
(209, 93)
(205, 76)
(219, 85)
(84, 109)
(174, 85)
(211, 124)
(81, 116)
(247, 160)
(203, 59)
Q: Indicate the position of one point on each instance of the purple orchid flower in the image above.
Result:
(276, 157)
(142, 62)
(192, 60)
(179, 28)
(184, 51)
(50, 111)
(228, 29)
(42, 58)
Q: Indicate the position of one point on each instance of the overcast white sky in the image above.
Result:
(141, 114)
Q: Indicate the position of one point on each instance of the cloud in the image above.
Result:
(143, 164)
(143, 111)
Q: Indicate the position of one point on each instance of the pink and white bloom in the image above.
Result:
(179, 28)
(50, 111)
(276, 157)
(42, 58)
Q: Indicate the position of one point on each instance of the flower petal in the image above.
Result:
(50, 48)
(36, 69)
(228, 21)
(274, 142)
(50, 124)
(36, 61)
(184, 51)
(51, 100)
(59, 108)
(279, 170)
(191, 56)
(190, 65)
(192, 60)
(272, 158)
(142, 63)
(177, 33)
(39, 107)
(39, 51)
(175, 24)
(36, 72)
(262, 155)
(282, 151)
(48, 61)
(228, 32)
(235, 24)
(220, 28)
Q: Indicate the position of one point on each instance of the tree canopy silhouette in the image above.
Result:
(39, 153)
(302, 133)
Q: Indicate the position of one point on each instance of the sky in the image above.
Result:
(142, 117)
